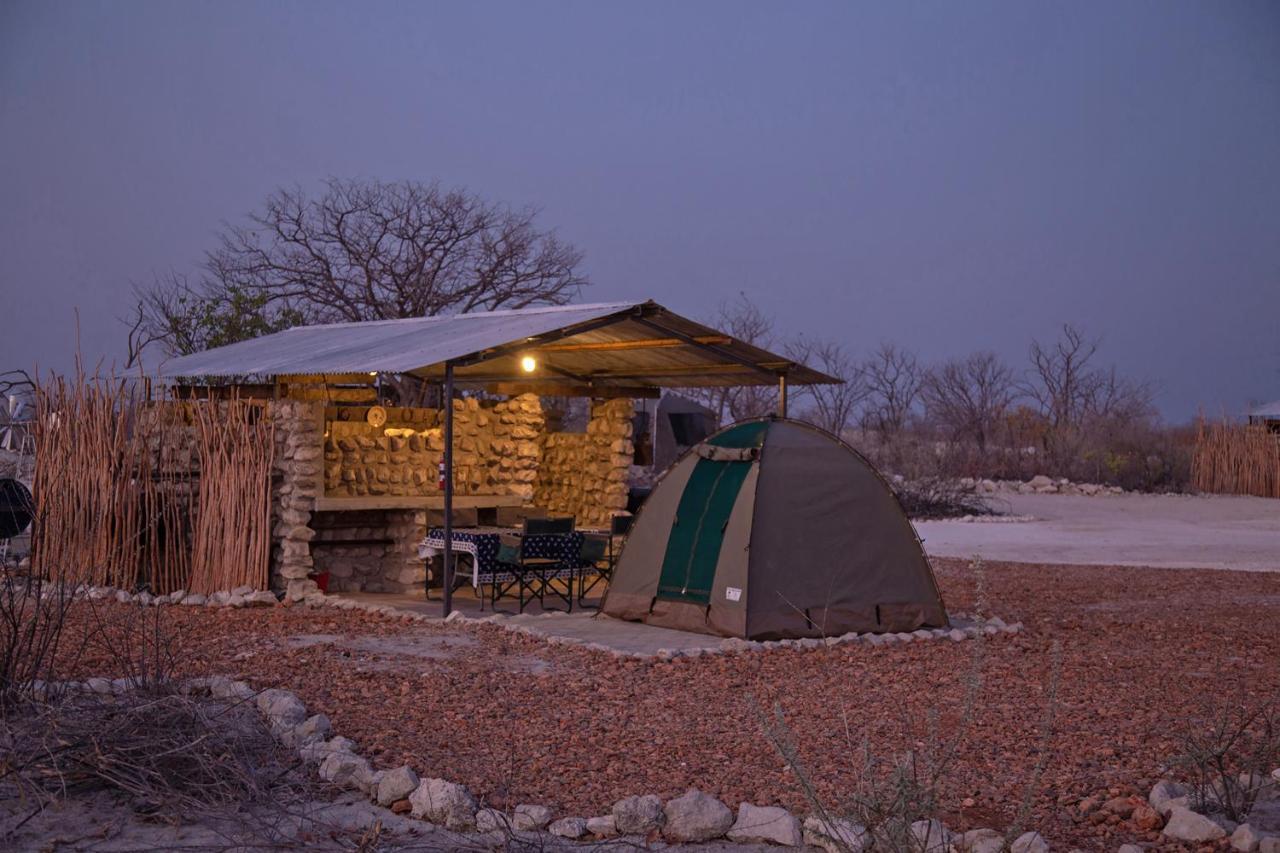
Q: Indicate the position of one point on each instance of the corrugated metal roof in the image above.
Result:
(384, 346)
(609, 344)
(1266, 410)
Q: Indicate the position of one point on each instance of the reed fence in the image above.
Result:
(1236, 459)
(135, 493)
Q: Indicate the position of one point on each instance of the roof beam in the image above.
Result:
(534, 341)
(511, 389)
(645, 343)
(719, 351)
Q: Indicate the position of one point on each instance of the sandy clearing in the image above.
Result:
(1163, 531)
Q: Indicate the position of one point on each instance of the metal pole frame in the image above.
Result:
(448, 488)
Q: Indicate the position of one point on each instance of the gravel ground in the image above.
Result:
(1136, 652)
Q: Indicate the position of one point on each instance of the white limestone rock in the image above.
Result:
(569, 827)
(530, 818)
(931, 836)
(1029, 842)
(396, 785)
(444, 803)
(1166, 795)
(1186, 825)
(766, 824)
(695, 816)
(835, 834)
(978, 841)
(604, 827)
(638, 815)
(344, 769)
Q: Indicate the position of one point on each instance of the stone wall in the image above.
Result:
(298, 482)
(501, 448)
(371, 550)
(585, 474)
(496, 451)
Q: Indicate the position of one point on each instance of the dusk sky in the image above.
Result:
(948, 176)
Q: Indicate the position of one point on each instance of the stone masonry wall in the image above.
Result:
(496, 451)
(298, 482)
(585, 474)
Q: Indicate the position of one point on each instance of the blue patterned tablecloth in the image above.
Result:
(482, 543)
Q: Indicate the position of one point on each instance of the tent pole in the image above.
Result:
(448, 488)
(782, 395)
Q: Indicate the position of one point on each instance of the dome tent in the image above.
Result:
(771, 529)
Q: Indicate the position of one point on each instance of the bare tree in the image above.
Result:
(969, 396)
(832, 407)
(1061, 381)
(743, 320)
(892, 376)
(360, 251)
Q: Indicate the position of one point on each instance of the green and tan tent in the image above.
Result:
(770, 529)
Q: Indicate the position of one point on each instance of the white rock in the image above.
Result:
(1165, 791)
(123, 597)
(193, 599)
(835, 835)
(217, 599)
(1186, 825)
(343, 769)
(1270, 844)
(236, 601)
(242, 590)
(931, 836)
(314, 728)
(396, 785)
(492, 820)
(569, 827)
(638, 815)
(282, 707)
(531, 818)
(1129, 848)
(605, 827)
(444, 803)
(261, 599)
(979, 841)
(695, 816)
(1029, 842)
(321, 750)
(757, 824)
(1245, 839)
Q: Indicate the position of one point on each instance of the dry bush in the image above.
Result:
(33, 614)
(167, 753)
(935, 497)
(1228, 755)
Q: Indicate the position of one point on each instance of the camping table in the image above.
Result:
(482, 544)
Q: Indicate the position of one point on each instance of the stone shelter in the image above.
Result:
(359, 480)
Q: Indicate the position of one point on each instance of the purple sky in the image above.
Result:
(950, 176)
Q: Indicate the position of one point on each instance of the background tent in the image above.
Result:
(773, 528)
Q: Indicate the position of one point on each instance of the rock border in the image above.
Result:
(1183, 821)
(964, 626)
(692, 818)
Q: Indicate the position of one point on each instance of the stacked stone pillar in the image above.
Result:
(299, 481)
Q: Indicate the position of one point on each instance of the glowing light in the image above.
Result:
(528, 364)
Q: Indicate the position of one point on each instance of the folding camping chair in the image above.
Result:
(599, 556)
(535, 559)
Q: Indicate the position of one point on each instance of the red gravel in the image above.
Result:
(1138, 652)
